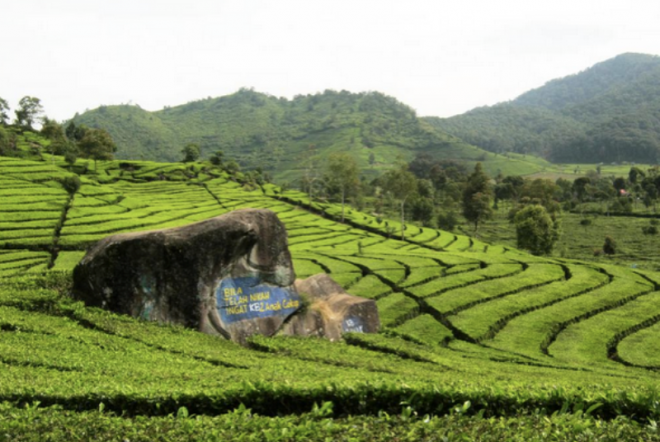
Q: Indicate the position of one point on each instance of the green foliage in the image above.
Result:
(476, 197)
(609, 247)
(259, 130)
(97, 144)
(447, 220)
(29, 108)
(4, 141)
(217, 158)
(401, 183)
(536, 231)
(484, 342)
(4, 111)
(650, 230)
(610, 111)
(71, 184)
(342, 177)
(190, 152)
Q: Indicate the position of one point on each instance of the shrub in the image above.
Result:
(71, 184)
(650, 230)
(609, 248)
(536, 231)
(585, 222)
(621, 205)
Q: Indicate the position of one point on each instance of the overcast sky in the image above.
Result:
(441, 57)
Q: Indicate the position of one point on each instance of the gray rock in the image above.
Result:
(231, 275)
(332, 311)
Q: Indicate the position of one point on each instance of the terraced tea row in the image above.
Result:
(462, 320)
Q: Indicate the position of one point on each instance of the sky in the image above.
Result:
(441, 57)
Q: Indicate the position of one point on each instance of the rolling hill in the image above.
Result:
(609, 112)
(479, 340)
(284, 137)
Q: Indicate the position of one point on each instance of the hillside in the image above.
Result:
(471, 330)
(609, 112)
(284, 137)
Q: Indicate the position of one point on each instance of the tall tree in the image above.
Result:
(52, 130)
(97, 144)
(342, 176)
(311, 175)
(217, 158)
(75, 133)
(4, 111)
(476, 196)
(29, 108)
(4, 141)
(402, 184)
(190, 152)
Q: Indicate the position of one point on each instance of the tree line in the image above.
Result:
(71, 141)
(439, 193)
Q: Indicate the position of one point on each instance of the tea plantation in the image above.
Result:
(479, 341)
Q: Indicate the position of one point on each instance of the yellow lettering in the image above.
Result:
(261, 296)
(236, 310)
(291, 303)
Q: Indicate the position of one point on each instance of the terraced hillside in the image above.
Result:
(471, 330)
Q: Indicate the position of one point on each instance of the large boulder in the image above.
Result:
(231, 275)
(331, 311)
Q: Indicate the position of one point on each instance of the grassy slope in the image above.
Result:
(435, 291)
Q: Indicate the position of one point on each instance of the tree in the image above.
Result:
(97, 144)
(29, 108)
(636, 175)
(342, 177)
(619, 184)
(75, 133)
(580, 187)
(4, 109)
(447, 220)
(52, 130)
(190, 152)
(310, 175)
(536, 230)
(476, 197)
(610, 246)
(4, 141)
(372, 159)
(217, 158)
(422, 209)
(71, 153)
(402, 184)
(232, 167)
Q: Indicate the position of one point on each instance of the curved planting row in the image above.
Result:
(463, 320)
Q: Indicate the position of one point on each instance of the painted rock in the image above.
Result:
(231, 275)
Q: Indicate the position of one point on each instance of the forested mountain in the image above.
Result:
(609, 112)
(279, 135)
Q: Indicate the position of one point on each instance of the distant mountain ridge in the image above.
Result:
(609, 112)
(279, 135)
